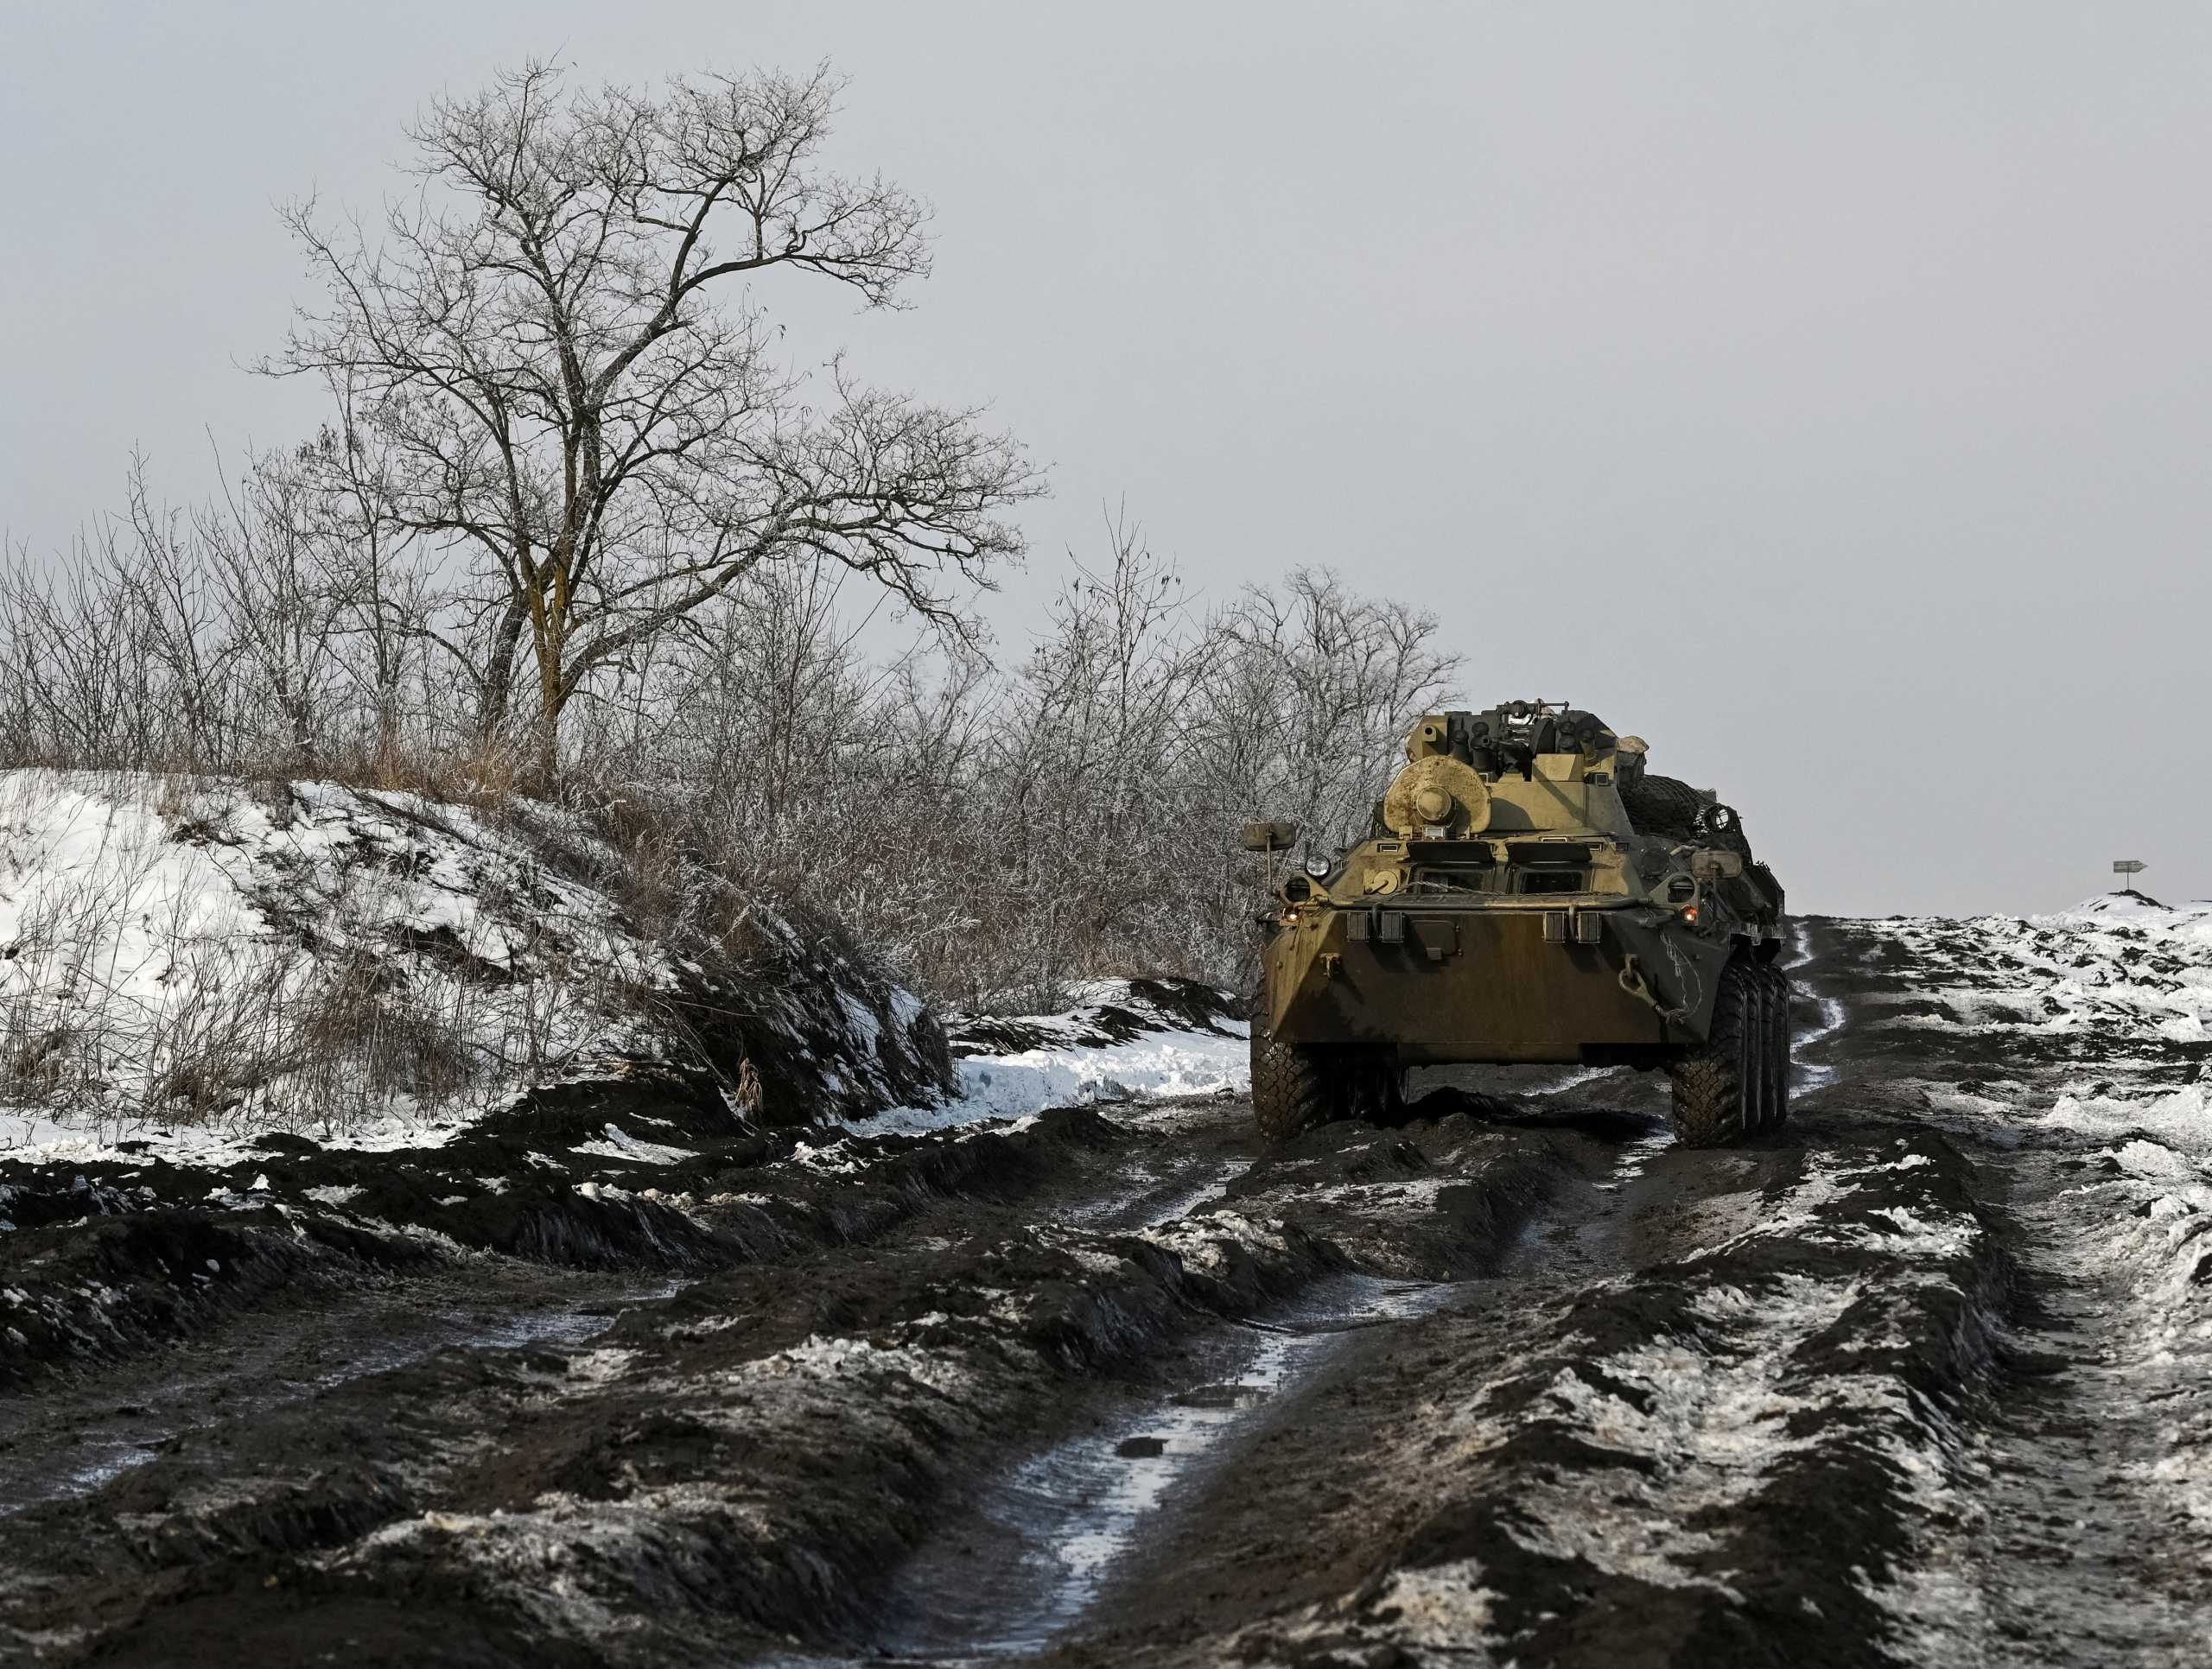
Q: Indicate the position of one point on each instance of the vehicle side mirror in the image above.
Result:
(1716, 866)
(1270, 837)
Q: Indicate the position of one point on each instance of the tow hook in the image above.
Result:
(1330, 962)
(1636, 986)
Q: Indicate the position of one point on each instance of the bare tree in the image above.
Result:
(568, 381)
(384, 595)
(1308, 693)
(277, 613)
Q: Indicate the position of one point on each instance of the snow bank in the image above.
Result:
(2148, 1216)
(2125, 902)
(2178, 1125)
(1123, 1040)
(188, 962)
(186, 949)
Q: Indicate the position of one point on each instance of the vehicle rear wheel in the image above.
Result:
(1757, 1081)
(1717, 1086)
(1780, 996)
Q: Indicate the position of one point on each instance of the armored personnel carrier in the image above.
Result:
(1528, 892)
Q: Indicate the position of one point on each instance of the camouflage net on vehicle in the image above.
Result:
(1669, 807)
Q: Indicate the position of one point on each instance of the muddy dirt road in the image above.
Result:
(1923, 1381)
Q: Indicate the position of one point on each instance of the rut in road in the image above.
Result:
(67, 1445)
(1115, 1522)
(1042, 1548)
(2085, 1535)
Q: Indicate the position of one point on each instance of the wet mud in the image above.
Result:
(1517, 1381)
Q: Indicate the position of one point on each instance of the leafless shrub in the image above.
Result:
(999, 834)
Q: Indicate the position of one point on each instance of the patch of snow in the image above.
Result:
(1208, 1242)
(1445, 1607)
(1160, 1065)
(168, 941)
(1701, 1412)
(2131, 971)
(2182, 1121)
(36, 1140)
(613, 1144)
(824, 1356)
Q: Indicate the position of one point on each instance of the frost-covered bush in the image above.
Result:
(995, 829)
(1002, 832)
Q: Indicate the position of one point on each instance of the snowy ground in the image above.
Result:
(1121, 1040)
(2116, 968)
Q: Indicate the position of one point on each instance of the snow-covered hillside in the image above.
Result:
(190, 960)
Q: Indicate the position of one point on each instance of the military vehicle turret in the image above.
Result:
(1528, 892)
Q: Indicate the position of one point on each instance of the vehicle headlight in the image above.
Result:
(1316, 867)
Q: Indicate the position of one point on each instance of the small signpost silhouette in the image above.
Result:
(2130, 867)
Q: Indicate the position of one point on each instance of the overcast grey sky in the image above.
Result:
(1820, 390)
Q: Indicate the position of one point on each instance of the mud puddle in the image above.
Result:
(1024, 1567)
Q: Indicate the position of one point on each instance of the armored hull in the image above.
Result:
(1439, 983)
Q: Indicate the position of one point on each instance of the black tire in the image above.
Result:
(1717, 1084)
(1298, 1087)
(1293, 1089)
(1781, 1032)
(1759, 1079)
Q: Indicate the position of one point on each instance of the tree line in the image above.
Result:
(574, 529)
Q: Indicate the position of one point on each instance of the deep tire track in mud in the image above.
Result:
(59, 1447)
(1918, 1380)
(751, 1454)
(2084, 1529)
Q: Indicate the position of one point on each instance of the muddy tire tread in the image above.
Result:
(1714, 1090)
(1780, 997)
(1758, 1080)
(1291, 1091)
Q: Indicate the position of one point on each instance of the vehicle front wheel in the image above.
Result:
(1719, 1085)
(1294, 1089)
